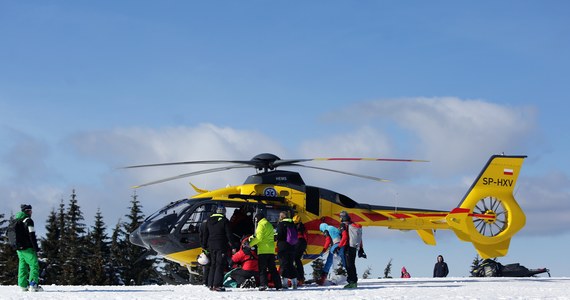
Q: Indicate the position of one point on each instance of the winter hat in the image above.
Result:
(344, 217)
(25, 207)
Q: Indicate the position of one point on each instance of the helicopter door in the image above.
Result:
(312, 203)
(189, 231)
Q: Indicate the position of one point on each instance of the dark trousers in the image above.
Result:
(241, 275)
(218, 263)
(267, 265)
(286, 259)
(299, 252)
(351, 265)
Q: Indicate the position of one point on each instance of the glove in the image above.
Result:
(361, 253)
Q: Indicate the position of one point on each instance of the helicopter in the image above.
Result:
(488, 216)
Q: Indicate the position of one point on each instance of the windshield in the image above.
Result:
(174, 208)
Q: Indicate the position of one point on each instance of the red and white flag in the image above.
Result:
(508, 171)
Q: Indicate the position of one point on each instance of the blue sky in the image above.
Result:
(89, 87)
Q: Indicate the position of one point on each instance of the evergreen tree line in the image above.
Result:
(73, 254)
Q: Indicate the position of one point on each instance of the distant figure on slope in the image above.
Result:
(405, 273)
(440, 269)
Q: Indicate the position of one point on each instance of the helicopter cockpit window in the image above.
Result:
(200, 214)
(175, 209)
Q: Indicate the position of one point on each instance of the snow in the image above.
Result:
(413, 288)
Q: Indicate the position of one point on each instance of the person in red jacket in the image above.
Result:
(245, 260)
(351, 241)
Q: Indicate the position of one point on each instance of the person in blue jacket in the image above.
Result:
(332, 238)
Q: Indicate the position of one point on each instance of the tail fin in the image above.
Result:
(488, 216)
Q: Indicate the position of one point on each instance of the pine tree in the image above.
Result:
(340, 270)
(475, 264)
(140, 270)
(318, 266)
(117, 259)
(74, 270)
(51, 250)
(8, 257)
(98, 266)
(388, 269)
(367, 273)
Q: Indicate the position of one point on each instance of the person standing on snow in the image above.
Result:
(351, 242)
(264, 239)
(300, 249)
(440, 269)
(285, 250)
(332, 238)
(27, 249)
(217, 237)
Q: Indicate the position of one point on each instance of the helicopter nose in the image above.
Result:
(136, 239)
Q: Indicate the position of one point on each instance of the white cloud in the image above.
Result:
(456, 134)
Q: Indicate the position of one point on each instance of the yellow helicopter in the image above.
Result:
(488, 215)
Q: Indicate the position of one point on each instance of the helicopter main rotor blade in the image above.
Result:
(191, 174)
(343, 172)
(245, 162)
(372, 159)
(288, 162)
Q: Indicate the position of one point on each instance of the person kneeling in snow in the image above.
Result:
(246, 268)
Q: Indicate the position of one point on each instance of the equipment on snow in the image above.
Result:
(492, 268)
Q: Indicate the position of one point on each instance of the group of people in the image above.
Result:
(254, 258)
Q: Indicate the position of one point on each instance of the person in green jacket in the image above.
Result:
(264, 240)
(27, 249)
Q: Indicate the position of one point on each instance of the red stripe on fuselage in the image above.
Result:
(375, 217)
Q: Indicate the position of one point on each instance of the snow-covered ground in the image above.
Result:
(413, 288)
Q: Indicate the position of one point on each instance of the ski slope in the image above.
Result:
(413, 288)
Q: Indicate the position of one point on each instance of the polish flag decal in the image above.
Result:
(508, 171)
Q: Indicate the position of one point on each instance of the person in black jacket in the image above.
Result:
(217, 238)
(286, 251)
(27, 249)
(203, 242)
(440, 269)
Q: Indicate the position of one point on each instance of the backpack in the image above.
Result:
(292, 237)
(354, 235)
(11, 233)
